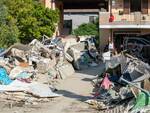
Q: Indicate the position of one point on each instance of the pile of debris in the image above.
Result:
(28, 73)
(21, 68)
(84, 53)
(123, 87)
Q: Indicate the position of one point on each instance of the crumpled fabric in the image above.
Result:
(106, 83)
(4, 78)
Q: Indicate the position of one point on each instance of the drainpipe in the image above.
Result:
(110, 3)
(100, 46)
(111, 33)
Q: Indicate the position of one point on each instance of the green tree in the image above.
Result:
(33, 19)
(87, 29)
(8, 30)
(91, 29)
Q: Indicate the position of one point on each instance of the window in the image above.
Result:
(145, 6)
(139, 42)
(135, 6)
(126, 6)
(67, 24)
(92, 19)
(131, 41)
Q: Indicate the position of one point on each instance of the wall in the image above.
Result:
(104, 37)
(78, 19)
(148, 6)
(106, 33)
(145, 31)
(49, 4)
(118, 6)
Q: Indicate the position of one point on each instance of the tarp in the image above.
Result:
(4, 78)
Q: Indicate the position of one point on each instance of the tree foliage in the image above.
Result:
(87, 29)
(28, 19)
(9, 32)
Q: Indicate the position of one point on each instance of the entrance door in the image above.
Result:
(67, 27)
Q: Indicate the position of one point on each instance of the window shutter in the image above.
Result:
(126, 6)
(144, 6)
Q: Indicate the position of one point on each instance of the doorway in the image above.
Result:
(118, 37)
(67, 27)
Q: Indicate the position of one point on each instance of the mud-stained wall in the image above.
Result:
(104, 37)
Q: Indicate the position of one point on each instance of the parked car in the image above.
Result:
(146, 36)
(131, 42)
(138, 47)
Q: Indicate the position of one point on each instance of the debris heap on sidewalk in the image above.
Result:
(28, 73)
(124, 86)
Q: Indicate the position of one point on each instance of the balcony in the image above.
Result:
(133, 20)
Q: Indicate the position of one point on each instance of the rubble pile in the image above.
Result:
(84, 54)
(28, 73)
(123, 87)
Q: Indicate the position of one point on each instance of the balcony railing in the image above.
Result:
(124, 19)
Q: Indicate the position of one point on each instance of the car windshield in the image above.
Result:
(147, 41)
(138, 41)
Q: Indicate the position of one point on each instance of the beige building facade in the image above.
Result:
(55, 4)
(131, 18)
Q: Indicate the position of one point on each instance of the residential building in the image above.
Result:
(124, 18)
(53, 4)
(49, 3)
(77, 12)
(73, 18)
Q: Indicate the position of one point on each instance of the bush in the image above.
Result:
(9, 32)
(87, 29)
(90, 29)
(26, 20)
